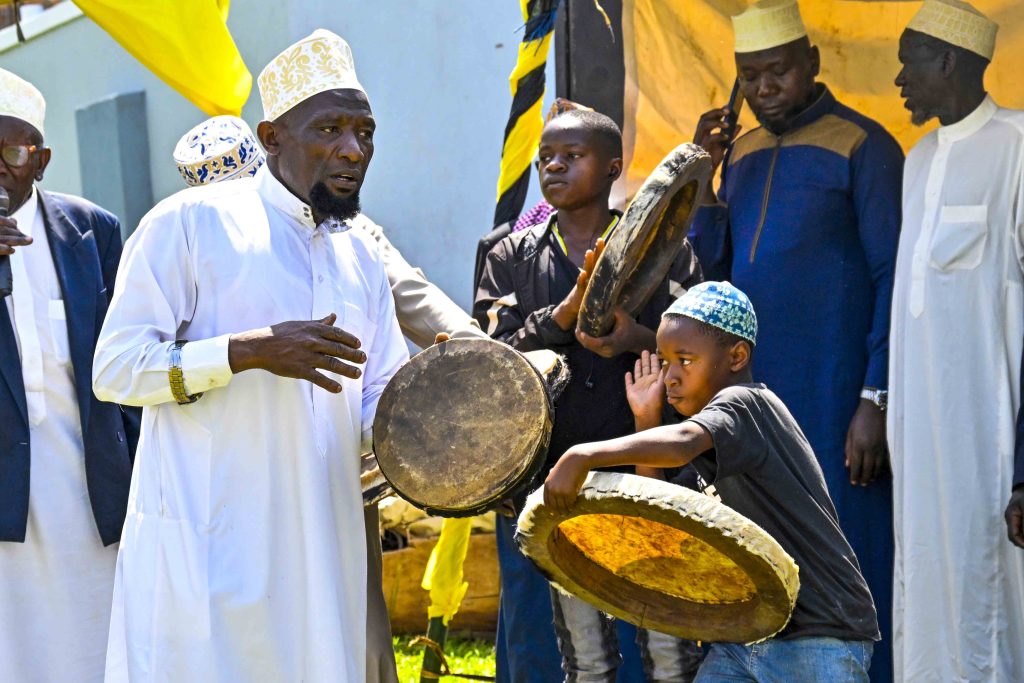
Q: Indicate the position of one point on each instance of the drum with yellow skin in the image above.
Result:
(664, 558)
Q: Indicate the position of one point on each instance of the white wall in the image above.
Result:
(437, 77)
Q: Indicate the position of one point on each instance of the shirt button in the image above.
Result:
(320, 278)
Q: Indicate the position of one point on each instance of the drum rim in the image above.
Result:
(516, 484)
(685, 164)
(765, 562)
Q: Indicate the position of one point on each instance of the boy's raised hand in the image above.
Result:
(645, 389)
(568, 310)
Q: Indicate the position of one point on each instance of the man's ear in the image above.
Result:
(815, 56)
(44, 160)
(948, 64)
(615, 168)
(739, 356)
(267, 134)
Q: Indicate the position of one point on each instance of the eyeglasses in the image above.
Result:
(17, 156)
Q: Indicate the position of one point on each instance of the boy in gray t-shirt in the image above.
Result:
(751, 454)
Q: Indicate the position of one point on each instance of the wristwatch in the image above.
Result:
(880, 397)
(177, 378)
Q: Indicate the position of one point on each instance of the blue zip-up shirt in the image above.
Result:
(808, 225)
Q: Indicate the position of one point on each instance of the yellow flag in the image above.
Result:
(443, 575)
(186, 43)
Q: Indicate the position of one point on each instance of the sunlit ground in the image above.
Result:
(464, 656)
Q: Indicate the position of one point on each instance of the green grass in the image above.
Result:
(464, 656)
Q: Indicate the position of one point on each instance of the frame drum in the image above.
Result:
(462, 426)
(664, 558)
(640, 252)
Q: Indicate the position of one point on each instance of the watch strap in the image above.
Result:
(176, 377)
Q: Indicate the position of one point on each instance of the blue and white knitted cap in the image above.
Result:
(720, 305)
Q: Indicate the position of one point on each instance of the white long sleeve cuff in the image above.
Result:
(205, 365)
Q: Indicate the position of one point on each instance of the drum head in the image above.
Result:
(462, 426)
(640, 252)
(664, 558)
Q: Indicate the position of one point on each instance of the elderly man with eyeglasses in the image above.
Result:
(65, 458)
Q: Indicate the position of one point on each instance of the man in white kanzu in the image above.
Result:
(224, 148)
(243, 556)
(957, 330)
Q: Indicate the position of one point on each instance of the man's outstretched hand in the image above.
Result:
(299, 349)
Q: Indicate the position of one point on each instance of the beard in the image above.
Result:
(919, 117)
(330, 205)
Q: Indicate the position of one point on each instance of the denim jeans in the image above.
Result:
(589, 644)
(801, 660)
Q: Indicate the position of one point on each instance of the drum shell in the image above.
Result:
(459, 415)
(640, 252)
(607, 580)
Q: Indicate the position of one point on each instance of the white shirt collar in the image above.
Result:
(970, 124)
(26, 215)
(281, 198)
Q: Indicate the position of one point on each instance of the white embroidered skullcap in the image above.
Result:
(768, 24)
(221, 148)
(319, 62)
(957, 23)
(22, 100)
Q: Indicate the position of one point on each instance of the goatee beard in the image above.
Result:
(329, 205)
(920, 117)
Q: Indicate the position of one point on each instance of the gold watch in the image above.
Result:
(177, 378)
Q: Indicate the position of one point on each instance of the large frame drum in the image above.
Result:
(463, 426)
(664, 558)
(640, 252)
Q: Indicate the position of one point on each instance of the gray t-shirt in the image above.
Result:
(763, 467)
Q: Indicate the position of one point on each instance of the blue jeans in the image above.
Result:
(802, 660)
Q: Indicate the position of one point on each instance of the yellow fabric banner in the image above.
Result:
(186, 43)
(443, 574)
(679, 63)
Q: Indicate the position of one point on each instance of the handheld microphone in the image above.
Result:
(6, 276)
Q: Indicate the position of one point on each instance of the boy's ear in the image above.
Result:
(739, 356)
(615, 169)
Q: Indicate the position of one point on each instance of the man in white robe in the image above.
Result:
(224, 148)
(957, 330)
(65, 458)
(243, 556)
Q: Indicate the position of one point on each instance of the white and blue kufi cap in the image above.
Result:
(221, 148)
(720, 305)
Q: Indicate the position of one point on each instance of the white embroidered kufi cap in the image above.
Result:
(22, 100)
(319, 62)
(957, 23)
(221, 148)
(768, 24)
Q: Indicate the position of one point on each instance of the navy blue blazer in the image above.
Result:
(85, 242)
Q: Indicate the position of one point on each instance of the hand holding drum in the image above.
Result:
(567, 312)
(641, 250)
